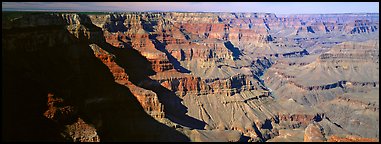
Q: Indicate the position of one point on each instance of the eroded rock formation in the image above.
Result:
(198, 76)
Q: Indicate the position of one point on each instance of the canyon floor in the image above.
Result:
(180, 76)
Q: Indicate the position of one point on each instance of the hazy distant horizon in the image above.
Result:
(279, 8)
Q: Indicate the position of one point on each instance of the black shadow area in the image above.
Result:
(234, 50)
(50, 59)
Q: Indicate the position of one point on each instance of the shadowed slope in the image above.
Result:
(67, 67)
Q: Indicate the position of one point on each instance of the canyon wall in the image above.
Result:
(192, 76)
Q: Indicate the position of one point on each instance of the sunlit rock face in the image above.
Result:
(172, 76)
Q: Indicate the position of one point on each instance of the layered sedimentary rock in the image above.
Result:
(147, 98)
(348, 81)
(50, 57)
(346, 67)
(200, 74)
(205, 51)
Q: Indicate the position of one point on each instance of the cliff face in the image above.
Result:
(62, 89)
(199, 73)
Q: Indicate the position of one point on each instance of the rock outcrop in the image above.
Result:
(82, 132)
(314, 133)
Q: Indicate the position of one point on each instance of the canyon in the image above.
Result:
(187, 76)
